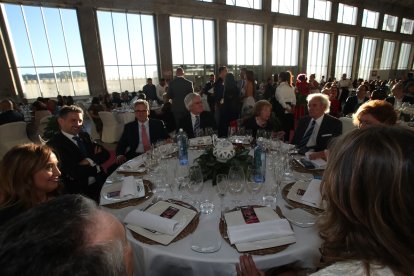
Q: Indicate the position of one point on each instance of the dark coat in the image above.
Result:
(206, 120)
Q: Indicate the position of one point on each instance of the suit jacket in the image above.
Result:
(11, 116)
(206, 120)
(75, 176)
(128, 143)
(177, 90)
(351, 105)
(405, 99)
(330, 127)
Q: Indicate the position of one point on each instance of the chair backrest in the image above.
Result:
(108, 118)
(347, 124)
(94, 133)
(42, 124)
(12, 134)
(40, 114)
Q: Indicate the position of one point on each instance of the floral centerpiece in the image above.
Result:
(210, 166)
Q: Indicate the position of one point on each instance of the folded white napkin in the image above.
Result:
(152, 222)
(201, 141)
(318, 163)
(313, 193)
(129, 187)
(133, 165)
(270, 229)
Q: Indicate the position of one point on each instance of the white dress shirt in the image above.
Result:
(285, 94)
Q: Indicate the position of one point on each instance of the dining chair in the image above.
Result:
(94, 133)
(42, 125)
(112, 129)
(12, 134)
(347, 125)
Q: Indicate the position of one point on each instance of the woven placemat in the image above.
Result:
(266, 251)
(299, 168)
(312, 210)
(135, 201)
(191, 227)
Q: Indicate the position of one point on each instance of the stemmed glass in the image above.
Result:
(236, 179)
(195, 178)
(254, 183)
(221, 181)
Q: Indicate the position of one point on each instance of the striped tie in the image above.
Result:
(306, 137)
(197, 129)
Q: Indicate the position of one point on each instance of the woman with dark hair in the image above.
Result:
(301, 91)
(28, 176)
(248, 98)
(368, 221)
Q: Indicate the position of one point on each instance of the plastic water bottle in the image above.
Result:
(182, 147)
(260, 161)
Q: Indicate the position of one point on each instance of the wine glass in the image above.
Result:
(236, 179)
(221, 181)
(254, 182)
(195, 178)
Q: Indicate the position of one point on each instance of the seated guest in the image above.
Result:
(368, 222)
(335, 109)
(316, 130)
(68, 235)
(8, 114)
(398, 96)
(79, 157)
(94, 110)
(29, 175)
(262, 119)
(138, 135)
(196, 120)
(165, 114)
(353, 102)
(376, 112)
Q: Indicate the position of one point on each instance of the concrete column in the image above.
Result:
(378, 52)
(8, 88)
(332, 56)
(164, 45)
(267, 40)
(89, 33)
(221, 42)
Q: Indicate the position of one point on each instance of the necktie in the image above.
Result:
(306, 137)
(145, 140)
(81, 145)
(197, 129)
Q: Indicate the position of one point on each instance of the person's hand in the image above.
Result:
(247, 267)
(98, 149)
(120, 159)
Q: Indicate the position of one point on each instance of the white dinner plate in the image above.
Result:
(107, 190)
(300, 217)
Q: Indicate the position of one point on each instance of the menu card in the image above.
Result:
(307, 193)
(248, 233)
(183, 216)
(133, 165)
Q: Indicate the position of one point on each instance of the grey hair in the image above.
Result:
(188, 100)
(323, 98)
(141, 101)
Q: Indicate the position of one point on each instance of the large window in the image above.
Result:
(366, 62)
(344, 55)
(318, 54)
(347, 14)
(128, 48)
(404, 56)
(319, 9)
(47, 49)
(407, 26)
(244, 44)
(387, 55)
(251, 4)
(390, 23)
(285, 49)
(286, 6)
(192, 46)
(370, 19)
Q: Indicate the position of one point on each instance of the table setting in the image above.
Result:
(197, 219)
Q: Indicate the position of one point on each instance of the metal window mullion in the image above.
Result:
(143, 46)
(182, 39)
(204, 42)
(31, 50)
(192, 31)
(116, 52)
(130, 51)
(66, 51)
(48, 47)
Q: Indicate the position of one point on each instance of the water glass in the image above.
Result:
(221, 182)
(236, 180)
(254, 182)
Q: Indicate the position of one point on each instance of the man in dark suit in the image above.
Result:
(150, 91)
(79, 157)
(210, 92)
(138, 135)
(179, 88)
(398, 96)
(353, 102)
(316, 130)
(8, 114)
(196, 120)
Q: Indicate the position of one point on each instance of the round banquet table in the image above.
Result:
(177, 258)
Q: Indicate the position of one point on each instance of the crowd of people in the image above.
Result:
(368, 221)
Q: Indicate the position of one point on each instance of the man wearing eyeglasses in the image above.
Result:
(138, 135)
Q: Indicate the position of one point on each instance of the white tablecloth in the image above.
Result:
(178, 258)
